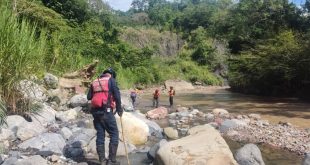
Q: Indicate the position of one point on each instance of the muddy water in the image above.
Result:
(272, 109)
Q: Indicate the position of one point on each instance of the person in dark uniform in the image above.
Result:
(106, 101)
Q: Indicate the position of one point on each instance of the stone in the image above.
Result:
(209, 117)
(203, 146)
(182, 109)
(31, 91)
(32, 160)
(13, 121)
(45, 116)
(79, 100)
(45, 142)
(249, 154)
(136, 130)
(171, 133)
(230, 124)
(51, 81)
(66, 133)
(66, 116)
(6, 134)
(60, 96)
(306, 160)
(15, 154)
(195, 112)
(172, 115)
(153, 150)
(28, 130)
(54, 158)
(10, 161)
(82, 137)
(179, 85)
(254, 116)
(154, 128)
(220, 112)
(158, 113)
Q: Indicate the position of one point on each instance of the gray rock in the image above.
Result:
(68, 115)
(254, 116)
(45, 142)
(15, 154)
(230, 124)
(249, 155)
(10, 161)
(45, 116)
(28, 130)
(209, 117)
(32, 160)
(306, 160)
(153, 150)
(13, 122)
(66, 133)
(51, 81)
(154, 128)
(78, 101)
(6, 134)
(32, 91)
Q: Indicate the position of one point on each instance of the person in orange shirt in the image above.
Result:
(171, 93)
(155, 98)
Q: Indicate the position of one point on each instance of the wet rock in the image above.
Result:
(32, 160)
(32, 91)
(153, 150)
(306, 160)
(171, 133)
(249, 155)
(79, 100)
(66, 133)
(230, 124)
(158, 113)
(45, 142)
(220, 112)
(51, 81)
(204, 146)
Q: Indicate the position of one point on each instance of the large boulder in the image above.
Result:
(28, 130)
(59, 95)
(79, 100)
(306, 160)
(179, 85)
(51, 81)
(13, 121)
(46, 142)
(205, 146)
(154, 128)
(31, 91)
(249, 154)
(158, 113)
(136, 131)
(46, 115)
(153, 150)
(66, 133)
(32, 160)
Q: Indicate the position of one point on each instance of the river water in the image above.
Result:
(272, 109)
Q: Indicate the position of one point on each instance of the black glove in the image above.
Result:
(120, 112)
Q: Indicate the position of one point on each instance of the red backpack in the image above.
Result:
(101, 94)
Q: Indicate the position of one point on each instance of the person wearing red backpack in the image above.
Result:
(155, 98)
(171, 93)
(106, 101)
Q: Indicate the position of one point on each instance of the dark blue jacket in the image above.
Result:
(113, 88)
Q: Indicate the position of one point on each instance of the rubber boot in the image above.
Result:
(112, 155)
(101, 154)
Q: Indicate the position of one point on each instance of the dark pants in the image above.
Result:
(155, 102)
(106, 122)
(171, 101)
(133, 99)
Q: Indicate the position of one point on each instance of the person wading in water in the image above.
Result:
(171, 93)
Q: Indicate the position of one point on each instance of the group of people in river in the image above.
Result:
(105, 103)
(156, 94)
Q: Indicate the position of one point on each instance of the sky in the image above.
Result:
(124, 5)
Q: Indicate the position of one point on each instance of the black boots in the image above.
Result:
(112, 155)
(101, 154)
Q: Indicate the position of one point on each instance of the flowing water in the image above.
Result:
(272, 109)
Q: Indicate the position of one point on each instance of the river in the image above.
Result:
(272, 109)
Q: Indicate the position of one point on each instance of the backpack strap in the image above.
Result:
(109, 94)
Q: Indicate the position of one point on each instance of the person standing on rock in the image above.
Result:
(155, 98)
(105, 97)
(171, 93)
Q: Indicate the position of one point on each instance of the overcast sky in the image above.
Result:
(124, 5)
